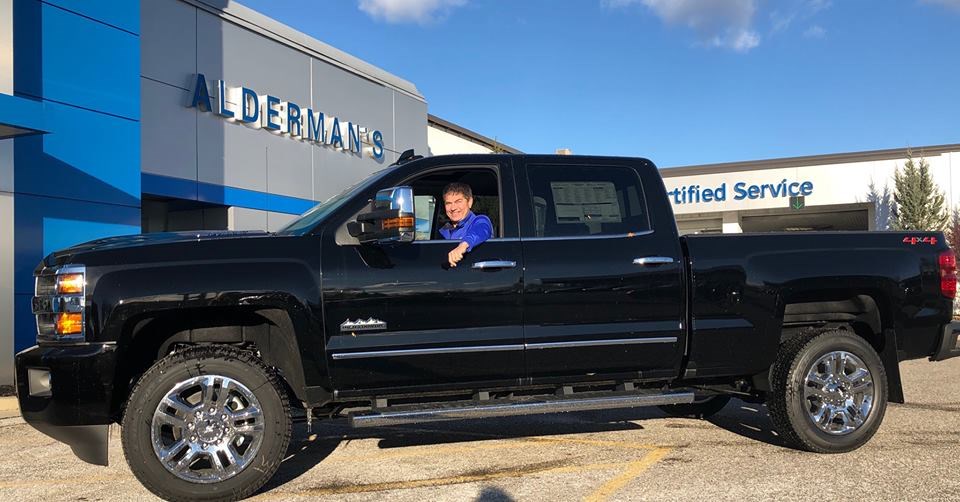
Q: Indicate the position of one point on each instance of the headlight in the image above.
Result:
(59, 304)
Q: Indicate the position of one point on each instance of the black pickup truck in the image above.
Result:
(203, 345)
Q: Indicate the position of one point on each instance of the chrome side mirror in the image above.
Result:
(391, 218)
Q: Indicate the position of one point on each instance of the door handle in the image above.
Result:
(653, 260)
(486, 265)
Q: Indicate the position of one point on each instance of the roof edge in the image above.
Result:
(809, 160)
(469, 135)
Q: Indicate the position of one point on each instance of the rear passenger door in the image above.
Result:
(603, 295)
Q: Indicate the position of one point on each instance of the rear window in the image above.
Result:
(570, 201)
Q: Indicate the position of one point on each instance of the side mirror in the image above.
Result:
(391, 218)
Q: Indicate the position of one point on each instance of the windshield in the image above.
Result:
(309, 219)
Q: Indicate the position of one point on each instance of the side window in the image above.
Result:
(428, 198)
(570, 201)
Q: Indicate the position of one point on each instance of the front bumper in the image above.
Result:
(949, 345)
(68, 395)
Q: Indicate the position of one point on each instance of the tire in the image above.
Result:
(817, 407)
(702, 407)
(208, 457)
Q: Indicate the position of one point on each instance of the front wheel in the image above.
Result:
(829, 391)
(208, 423)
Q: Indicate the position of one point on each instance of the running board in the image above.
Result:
(474, 409)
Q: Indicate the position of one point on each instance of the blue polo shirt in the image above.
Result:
(473, 230)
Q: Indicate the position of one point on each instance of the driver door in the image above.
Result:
(399, 316)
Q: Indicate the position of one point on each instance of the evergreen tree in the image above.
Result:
(953, 232)
(919, 201)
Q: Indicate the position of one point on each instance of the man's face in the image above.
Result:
(457, 205)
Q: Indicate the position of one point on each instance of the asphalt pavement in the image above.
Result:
(629, 455)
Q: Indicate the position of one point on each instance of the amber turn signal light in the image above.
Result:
(70, 324)
(70, 284)
(403, 221)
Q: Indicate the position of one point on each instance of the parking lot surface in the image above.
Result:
(638, 454)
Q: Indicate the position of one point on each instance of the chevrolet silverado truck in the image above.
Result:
(205, 345)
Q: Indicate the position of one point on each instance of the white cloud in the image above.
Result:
(406, 11)
(718, 23)
(815, 31)
(782, 18)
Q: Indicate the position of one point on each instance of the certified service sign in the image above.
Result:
(263, 111)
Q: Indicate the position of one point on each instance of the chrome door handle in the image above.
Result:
(653, 260)
(484, 265)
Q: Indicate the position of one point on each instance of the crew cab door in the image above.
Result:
(399, 316)
(603, 296)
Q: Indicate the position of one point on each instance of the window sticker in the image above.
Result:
(585, 202)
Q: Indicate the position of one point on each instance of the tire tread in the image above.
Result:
(196, 355)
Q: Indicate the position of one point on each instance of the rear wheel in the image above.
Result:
(208, 423)
(829, 391)
(701, 407)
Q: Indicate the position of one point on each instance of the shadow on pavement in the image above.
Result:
(750, 420)
(309, 448)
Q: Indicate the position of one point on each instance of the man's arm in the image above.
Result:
(479, 231)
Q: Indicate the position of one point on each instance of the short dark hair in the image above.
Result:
(457, 187)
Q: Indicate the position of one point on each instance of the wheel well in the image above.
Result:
(861, 313)
(147, 339)
(866, 314)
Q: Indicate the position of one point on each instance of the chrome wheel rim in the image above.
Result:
(838, 393)
(207, 429)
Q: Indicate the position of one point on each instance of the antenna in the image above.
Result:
(407, 156)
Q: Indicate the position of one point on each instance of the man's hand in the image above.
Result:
(457, 254)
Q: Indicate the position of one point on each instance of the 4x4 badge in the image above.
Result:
(370, 324)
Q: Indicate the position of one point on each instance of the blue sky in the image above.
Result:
(680, 82)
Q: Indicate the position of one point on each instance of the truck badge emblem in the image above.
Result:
(370, 324)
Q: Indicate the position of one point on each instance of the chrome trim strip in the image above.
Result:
(422, 352)
(375, 419)
(492, 264)
(653, 260)
(598, 343)
(588, 237)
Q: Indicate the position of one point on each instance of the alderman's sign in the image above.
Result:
(263, 111)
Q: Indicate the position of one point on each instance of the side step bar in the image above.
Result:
(475, 409)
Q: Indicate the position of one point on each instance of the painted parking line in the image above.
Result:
(633, 470)
(627, 471)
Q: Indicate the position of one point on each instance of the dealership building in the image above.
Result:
(168, 115)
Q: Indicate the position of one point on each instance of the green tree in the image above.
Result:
(919, 201)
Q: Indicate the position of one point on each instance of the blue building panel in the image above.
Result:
(46, 224)
(24, 323)
(22, 113)
(123, 14)
(89, 156)
(179, 188)
(89, 64)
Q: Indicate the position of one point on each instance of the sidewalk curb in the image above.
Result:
(9, 403)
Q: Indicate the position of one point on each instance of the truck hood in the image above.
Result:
(133, 241)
